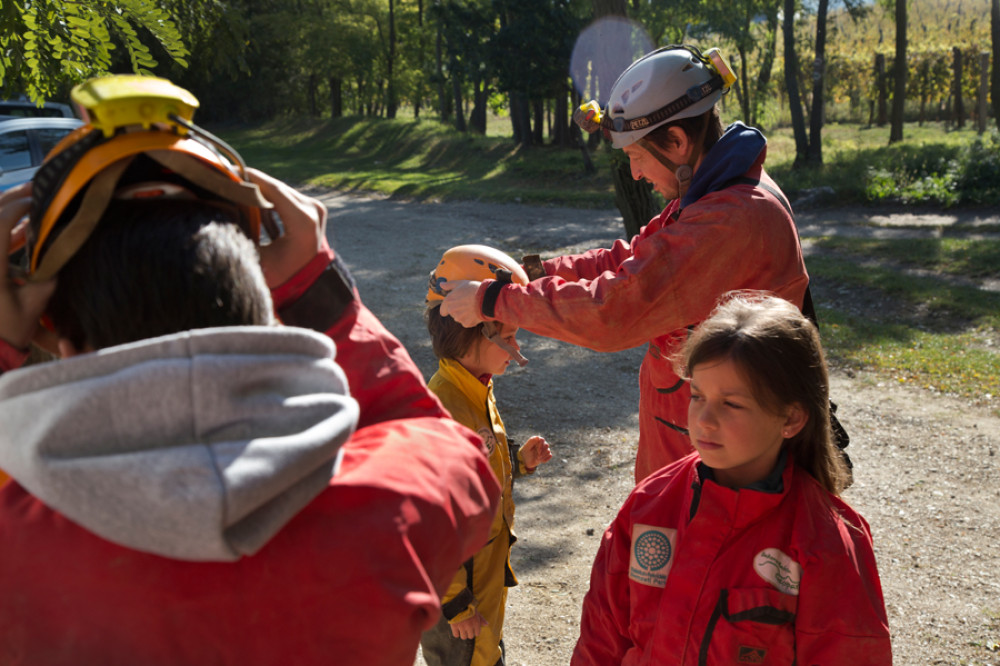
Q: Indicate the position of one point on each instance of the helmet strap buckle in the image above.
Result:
(492, 333)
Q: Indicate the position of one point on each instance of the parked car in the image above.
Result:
(23, 108)
(24, 142)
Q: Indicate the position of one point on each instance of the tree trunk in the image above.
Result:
(336, 97)
(814, 154)
(423, 54)
(520, 118)
(984, 65)
(442, 97)
(456, 90)
(792, 84)
(538, 126)
(634, 198)
(899, 84)
(959, 109)
(883, 114)
(743, 89)
(312, 90)
(995, 76)
(477, 119)
(390, 91)
(560, 115)
(766, 65)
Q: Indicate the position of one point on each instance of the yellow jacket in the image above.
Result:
(481, 584)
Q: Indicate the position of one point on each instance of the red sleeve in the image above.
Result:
(604, 623)
(841, 616)
(590, 264)
(442, 470)
(11, 358)
(737, 238)
(382, 377)
(593, 263)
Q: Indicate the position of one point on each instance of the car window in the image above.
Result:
(48, 137)
(18, 112)
(14, 151)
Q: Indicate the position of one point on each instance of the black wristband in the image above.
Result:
(324, 301)
(490, 297)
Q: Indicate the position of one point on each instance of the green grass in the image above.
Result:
(952, 256)
(933, 333)
(956, 363)
(946, 344)
(420, 159)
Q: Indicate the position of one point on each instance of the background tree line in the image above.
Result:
(797, 61)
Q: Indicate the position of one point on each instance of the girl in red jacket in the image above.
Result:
(742, 552)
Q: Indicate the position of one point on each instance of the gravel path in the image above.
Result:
(926, 465)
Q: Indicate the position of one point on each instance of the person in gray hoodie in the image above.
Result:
(189, 483)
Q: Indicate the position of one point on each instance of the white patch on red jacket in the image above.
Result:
(778, 569)
(652, 554)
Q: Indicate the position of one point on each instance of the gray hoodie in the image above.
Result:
(195, 446)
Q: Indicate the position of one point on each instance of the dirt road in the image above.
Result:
(926, 466)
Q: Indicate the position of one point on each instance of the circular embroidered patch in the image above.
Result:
(652, 550)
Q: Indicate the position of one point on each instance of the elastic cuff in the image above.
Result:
(458, 608)
(11, 358)
(490, 296)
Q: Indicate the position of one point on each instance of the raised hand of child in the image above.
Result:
(304, 220)
(21, 303)
(535, 452)
(469, 628)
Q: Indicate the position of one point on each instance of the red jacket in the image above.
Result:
(653, 289)
(353, 578)
(383, 378)
(691, 572)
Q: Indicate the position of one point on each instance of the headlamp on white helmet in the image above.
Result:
(670, 83)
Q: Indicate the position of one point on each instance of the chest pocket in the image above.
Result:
(750, 626)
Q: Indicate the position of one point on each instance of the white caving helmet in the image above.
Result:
(667, 84)
(670, 83)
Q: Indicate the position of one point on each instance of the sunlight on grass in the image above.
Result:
(966, 364)
(978, 258)
(944, 340)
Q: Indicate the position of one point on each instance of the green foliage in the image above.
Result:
(978, 173)
(531, 50)
(938, 174)
(48, 45)
(931, 167)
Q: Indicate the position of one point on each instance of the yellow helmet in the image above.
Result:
(473, 262)
(139, 142)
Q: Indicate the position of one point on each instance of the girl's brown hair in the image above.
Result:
(778, 351)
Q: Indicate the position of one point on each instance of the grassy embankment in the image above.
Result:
(947, 340)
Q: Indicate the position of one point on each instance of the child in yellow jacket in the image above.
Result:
(470, 631)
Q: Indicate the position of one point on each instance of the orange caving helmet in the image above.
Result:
(138, 143)
(473, 262)
(477, 262)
